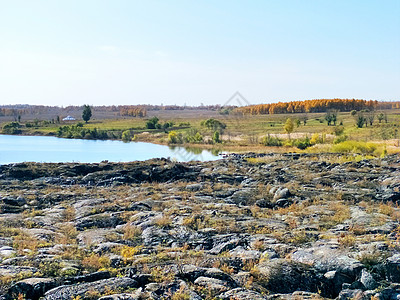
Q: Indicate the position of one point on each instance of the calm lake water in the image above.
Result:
(51, 149)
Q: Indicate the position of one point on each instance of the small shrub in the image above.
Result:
(370, 259)
(129, 252)
(69, 234)
(92, 295)
(163, 222)
(174, 137)
(127, 136)
(158, 274)
(181, 294)
(386, 209)
(338, 130)
(50, 268)
(24, 241)
(69, 214)
(347, 240)
(340, 139)
(132, 232)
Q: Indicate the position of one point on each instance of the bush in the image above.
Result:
(126, 136)
(193, 136)
(271, 141)
(340, 139)
(302, 143)
(12, 128)
(338, 130)
(354, 147)
(317, 139)
(174, 137)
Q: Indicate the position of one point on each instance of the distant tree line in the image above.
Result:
(312, 106)
(133, 111)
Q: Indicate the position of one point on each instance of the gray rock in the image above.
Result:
(195, 187)
(368, 281)
(243, 196)
(153, 287)
(19, 201)
(67, 292)
(281, 193)
(285, 276)
(121, 297)
(16, 270)
(218, 274)
(222, 247)
(95, 276)
(105, 220)
(190, 272)
(393, 268)
(241, 294)
(264, 203)
(139, 206)
(283, 202)
(216, 286)
(347, 294)
(7, 251)
(31, 288)
(153, 236)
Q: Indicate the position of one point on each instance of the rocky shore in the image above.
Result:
(278, 226)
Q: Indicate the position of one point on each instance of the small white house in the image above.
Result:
(69, 118)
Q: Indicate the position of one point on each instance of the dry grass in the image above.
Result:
(94, 262)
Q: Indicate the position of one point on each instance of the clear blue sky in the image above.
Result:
(61, 52)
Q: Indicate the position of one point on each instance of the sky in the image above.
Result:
(111, 52)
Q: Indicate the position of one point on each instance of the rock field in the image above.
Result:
(250, 226)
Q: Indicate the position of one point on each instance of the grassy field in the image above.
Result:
(243, 133)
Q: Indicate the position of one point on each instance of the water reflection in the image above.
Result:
(193, 153)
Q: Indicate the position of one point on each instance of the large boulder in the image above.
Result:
(284, 276)
(393, 268)
(214, 285)
(67, 292)
(31, 288)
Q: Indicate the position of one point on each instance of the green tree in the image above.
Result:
(216, 138)
(330, 117)
(152, 123)
(289, 126)
(87, 113)
(214, 125)
(361, 120)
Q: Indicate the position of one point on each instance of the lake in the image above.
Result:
(15, 149)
